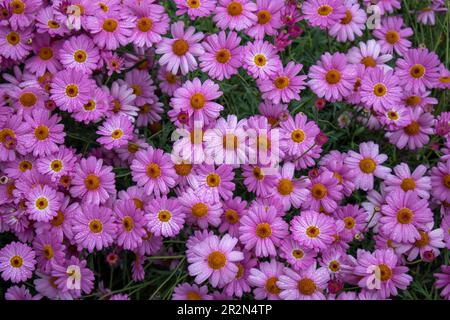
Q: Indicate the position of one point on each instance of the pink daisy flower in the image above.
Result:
(264, 280)
(380, 89)
(46, 23)
(98, 105)
(367, 164)
(179, 52)
(151, 22)
(332, 78)
(200, 209)
(43, 202)
(392, 36)
(323, 13)
(123, 99)
(444, 78)
(440, 181)
(22, 13)
(334, 162)
(284, 86)
(443, 281)
(268, 15)
(289, 190)
(20, 293)
(11, 130)
(313, 230)
(306, 285)
(195, 8)
(14, 44)
(165, 217)
(405, 181)
(233, 210)
(353, 23)
(64, 274)
(403, 215)
(93, 182)
(70, 90)
(94, 227)
(416, 134)
(354, 219)
(239, 285)
(196, 100)
(215, 259)
(17, 262)
(153, 170)
(325, 192)
(296, 255)
(384, 5)
(110, 30)
(79, 53)
(45, 56)
(235, 14)
(130, 224)
(170, 82)
(385, 263)
(262, 230)
(260, 59)
(142, 85)
(426, 248)
(418, 70)
(258, 179)
(115, 132)
(368, 54)
(43, 133)
(216, 183)
(222, 56)
(394, 116)
(48, 248)
(275, 113)
(297, 135)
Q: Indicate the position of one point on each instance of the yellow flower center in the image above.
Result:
(446, 181)
(392, 37)
(137, 89)
(13, 38)
(72, 90)
(385, 272)
(325, 10)
(90, 105)
(285, 187)
(127, 223)
(91, 182)
(257, 173)
(334, 266)
(197, 101)
(348, 18)
(312, 232)
(319, 191)
(110, 25)
(333, 76)
(231, 216)
(369, 62)
(41, 132)
(117, 134)
(263, 230)
(281, 82)
(199, 210)
(298, 135)
(234, 8)
(171, 78)
(180, 47)
(412, 129)
(52, 24)
(271, 286)
(144, 24)
(367, 165)
(41, 203)
(25, 165)
(241, 270)
(349, 223)
(260, 60)
(16, 262)
(413, 100)
(223, 55)
(424, 239)
(58, 219)
(96, 226)
(48, 252)
(404, 215)
(408, 184)
(45, 53)
(103, 6)
(17, 6)
(306, 286)
(216, 260)
(194, 4)
(297, 253)
(417, 71)
(192, 295)
(183, 169)
(213, 180)
(56, 165)
(264, 16)
(379, 90)
(393, 115)
(445, 79)
(80, 56)
(153, 170)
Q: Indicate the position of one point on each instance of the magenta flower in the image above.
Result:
(70, 90)
(186, 291)
(298, 256)
(323, 13)
(264, 278)
(325, 192)
(443, 281)
(284, 86)
(262, 230)
(131, 223)
(313, 230)
(404, 180)
(200, 209)
(215, 259)
(115, 132)
(368, 54)
(79, 53)
(94, 227)
(14, 44)
(179, 52)
(93, 182)
(440, 181)
(392, 36)
(216, 183)
(153, 170)
(110, 30)
(235, 14)
(260, 59)
(233, 210)
(354, 220)
(195, 8)
(43, 202)
(165, 217)
(64, 274)
(268, 13)
(17, 262)
(353, 23)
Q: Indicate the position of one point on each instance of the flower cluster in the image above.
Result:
(245, 202)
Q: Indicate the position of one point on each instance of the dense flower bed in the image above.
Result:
(203, 149)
